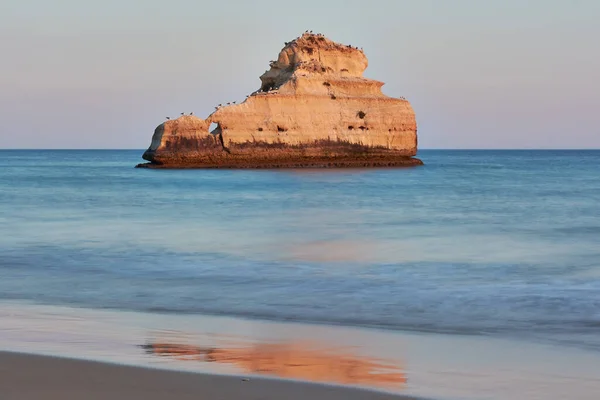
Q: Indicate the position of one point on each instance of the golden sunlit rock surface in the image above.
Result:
(290, 360)
(314, 109)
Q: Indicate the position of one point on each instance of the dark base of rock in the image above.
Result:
(312, 162)
(211, 152)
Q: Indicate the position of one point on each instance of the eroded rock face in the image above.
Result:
(314, 109)
(182, 141)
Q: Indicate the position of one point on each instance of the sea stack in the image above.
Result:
(314, 109)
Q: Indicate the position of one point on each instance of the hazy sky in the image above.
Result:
(480, 74)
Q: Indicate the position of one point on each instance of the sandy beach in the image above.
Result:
(113, 354)
(31, 377)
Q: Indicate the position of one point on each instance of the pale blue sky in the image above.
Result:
(480, 74)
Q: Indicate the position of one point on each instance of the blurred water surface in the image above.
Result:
(475, 242)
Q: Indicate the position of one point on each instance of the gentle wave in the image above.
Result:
(474, 242)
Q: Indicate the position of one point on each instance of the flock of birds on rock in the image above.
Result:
(181, 114)
(305, 33)
(226, 104)
(268, 91)
(216, 108)
(321, 35)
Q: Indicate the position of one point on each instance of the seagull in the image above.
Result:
(191, 113)
(168, 117)
(181, 113)
(220, 105)
(228, 103)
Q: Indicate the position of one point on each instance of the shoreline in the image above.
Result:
(29, 376)
(432, 366)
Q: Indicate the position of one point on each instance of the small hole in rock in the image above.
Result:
(260, 129)
(361, 114)
(350, 127)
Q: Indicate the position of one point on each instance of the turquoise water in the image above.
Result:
(502, 243)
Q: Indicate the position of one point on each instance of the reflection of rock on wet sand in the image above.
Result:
(290, 361)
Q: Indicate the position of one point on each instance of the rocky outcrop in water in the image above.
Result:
(313, 109)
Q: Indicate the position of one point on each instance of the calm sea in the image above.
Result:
(503, 243)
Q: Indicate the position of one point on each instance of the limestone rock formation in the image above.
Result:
(314, 109)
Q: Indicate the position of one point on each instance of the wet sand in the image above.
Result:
(177, 356)
(32, 377)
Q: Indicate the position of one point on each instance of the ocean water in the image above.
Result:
(499, 243)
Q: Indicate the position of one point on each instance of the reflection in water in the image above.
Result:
(327, 173)
(330, 251)
(291, 360)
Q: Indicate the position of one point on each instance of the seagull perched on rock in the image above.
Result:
(168, 117)
(181, 113)
(191, 113)
(234, 102)
(228, 103)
